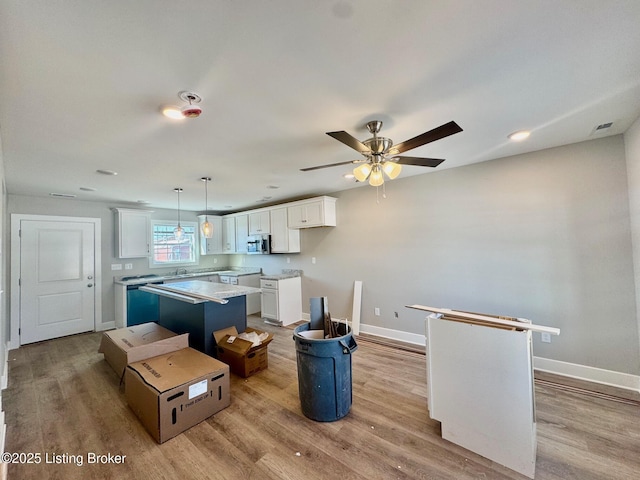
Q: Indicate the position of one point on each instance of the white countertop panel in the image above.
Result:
(202, 289)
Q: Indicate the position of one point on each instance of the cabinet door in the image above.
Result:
(242, 233)
(306, 215)
(134, 233)
(269, 304)
(228, 235)
(259, 223)
(213, 245)
(283, 239)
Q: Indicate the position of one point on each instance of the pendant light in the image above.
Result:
(178, 232)
(207, 227)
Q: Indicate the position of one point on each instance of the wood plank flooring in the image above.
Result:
(63, 399)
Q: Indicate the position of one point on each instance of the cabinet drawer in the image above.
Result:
(269, 284)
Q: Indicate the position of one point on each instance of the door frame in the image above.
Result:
(16, 219)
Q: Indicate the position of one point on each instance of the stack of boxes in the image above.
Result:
(171, 387)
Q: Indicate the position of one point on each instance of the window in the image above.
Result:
(167, 250)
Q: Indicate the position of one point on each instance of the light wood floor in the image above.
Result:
(64, 399)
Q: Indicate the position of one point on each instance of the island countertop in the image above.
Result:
(203, 290)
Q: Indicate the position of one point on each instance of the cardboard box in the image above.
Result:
(242, 357)
(132, 344)
(173, 392)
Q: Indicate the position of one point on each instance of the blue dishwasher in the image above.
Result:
(142, 307)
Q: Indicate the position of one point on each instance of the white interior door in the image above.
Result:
(57, 286)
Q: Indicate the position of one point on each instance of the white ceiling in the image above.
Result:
(82, 83)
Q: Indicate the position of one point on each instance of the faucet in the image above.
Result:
(184, 271)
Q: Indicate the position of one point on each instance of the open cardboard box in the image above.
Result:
(132, 344)
(173, 392)
(242, 357)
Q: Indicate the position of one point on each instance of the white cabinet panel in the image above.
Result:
(283, 238)
(228, 235)
(133, 233)
(317, 212)
(259, 223)
(242, 233)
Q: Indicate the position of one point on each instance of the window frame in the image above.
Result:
(173, 224)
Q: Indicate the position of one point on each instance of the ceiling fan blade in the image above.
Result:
(427, 137)
(329, 165)
(419, 161)
(350, 141)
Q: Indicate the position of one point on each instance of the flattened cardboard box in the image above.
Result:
(242, 357)
(132, 344)
(173, 392)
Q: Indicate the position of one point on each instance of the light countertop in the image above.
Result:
(207, 290)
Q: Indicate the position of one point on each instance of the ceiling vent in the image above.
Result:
(601, 129)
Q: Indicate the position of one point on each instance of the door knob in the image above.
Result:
(89, 284)
(89, 277)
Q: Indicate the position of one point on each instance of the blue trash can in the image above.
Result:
(324, 373)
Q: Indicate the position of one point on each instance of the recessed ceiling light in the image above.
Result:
(349, 176)
(145, 202)
(106, 172)
(87, 189)
(519, 135)
(173, 112)
(273, 187)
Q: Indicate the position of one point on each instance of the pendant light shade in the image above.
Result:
(207, 226)
(178, 232)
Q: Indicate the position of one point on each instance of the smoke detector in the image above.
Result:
(191, 110)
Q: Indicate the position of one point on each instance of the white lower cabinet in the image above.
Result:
(281, 300)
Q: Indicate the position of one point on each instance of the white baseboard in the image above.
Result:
(582, 372)
(591, 374)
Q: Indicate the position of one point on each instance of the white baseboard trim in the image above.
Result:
(591, 374)
(581, 372)
(399, 335)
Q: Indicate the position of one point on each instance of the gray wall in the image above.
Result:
(545, 236)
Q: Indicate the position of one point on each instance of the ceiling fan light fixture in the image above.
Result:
(362, 172)
(376, 179)
(391, 169)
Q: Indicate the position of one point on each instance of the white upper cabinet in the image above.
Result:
(213, 245)
(259, 223)
(315, 212)
(242, 233)
(133, 233)
(228, 235)
(283, 238)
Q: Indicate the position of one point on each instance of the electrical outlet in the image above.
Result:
(128, 266)
(376, 311)
(215, 260)
(116, 266)
(545, 337)
(313, 260)
(288, 259)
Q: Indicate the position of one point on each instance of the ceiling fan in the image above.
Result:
(381, 155)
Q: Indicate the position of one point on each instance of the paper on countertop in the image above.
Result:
(253, 337)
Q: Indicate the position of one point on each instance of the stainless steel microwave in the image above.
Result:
(259, 244)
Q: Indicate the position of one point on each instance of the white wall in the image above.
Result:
(544, 236)
(632, 150)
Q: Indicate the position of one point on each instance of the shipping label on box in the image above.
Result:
(132, 344)
(242, 357)
(173, 392)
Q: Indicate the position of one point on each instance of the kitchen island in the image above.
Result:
(200, 308)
